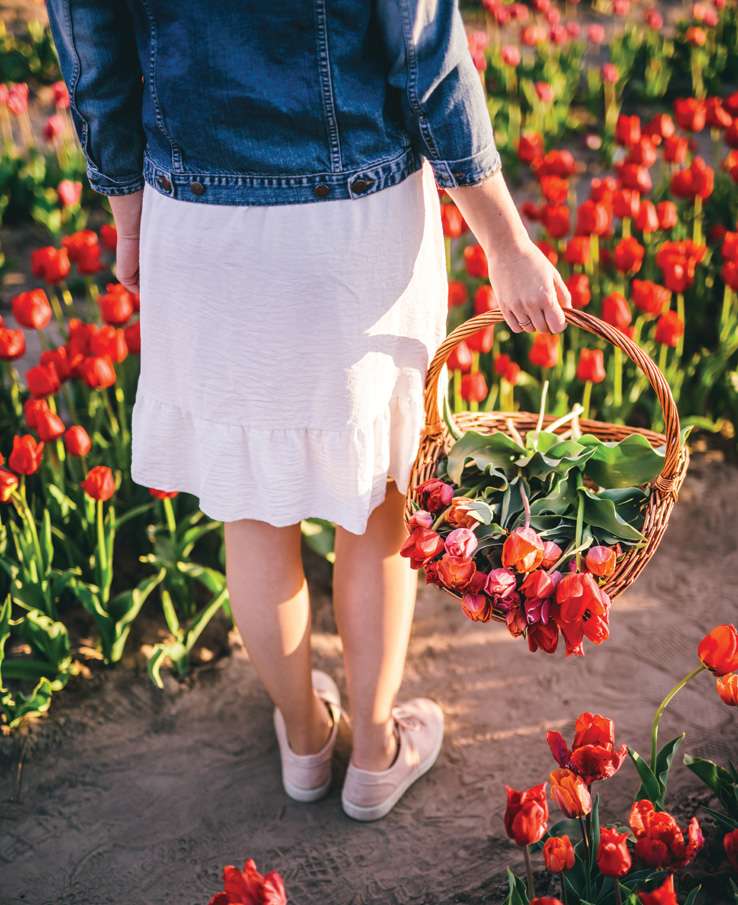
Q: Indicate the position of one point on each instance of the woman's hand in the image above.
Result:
(127, 214)
(527, 288)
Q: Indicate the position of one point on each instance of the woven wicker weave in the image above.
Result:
(436, 439)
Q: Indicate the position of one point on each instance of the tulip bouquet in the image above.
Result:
(527, 530)
(635, 864)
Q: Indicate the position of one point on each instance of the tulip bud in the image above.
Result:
(570, 792)
(601, 561)
(727, 688)
(718, 650)
(558, 853)
(613, 856)
(522, 550)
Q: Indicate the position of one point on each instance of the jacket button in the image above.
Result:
(197, 188)
(165, 183)
(361, 185)
(322, 190)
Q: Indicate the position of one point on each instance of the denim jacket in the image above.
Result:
(271, 101)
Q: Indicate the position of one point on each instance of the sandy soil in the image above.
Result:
(132, 796)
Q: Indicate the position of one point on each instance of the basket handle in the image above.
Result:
(433, 415)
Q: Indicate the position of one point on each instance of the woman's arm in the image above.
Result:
(528, 289)
(446, 116)
(95, 43)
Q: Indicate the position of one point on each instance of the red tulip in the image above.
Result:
(634, 176)
(616, 311)
(544, 351)
(555, 189)
(97, 371)
(591, 365)
(690, 113)
(718, 650)
(593, 754)
(716, 114)
(452, 221)
(132, 334)
(626, 203)
(49, 425)
(578, 286)
(42, 380)
(667, 214)
(660, 843)
(628, 130)
(522, 550)
(109, 235)
(32, 309)
(116, 305)
(592, 219)
(578, 250)
(8, 484)
(422, 545)
(249, 887)
(456, 572)
(546, 900)
(475, 261)
(570, 793)
(474, 387)
(727, 688)
(99, 483)
(555, 219)
(660, 127)
(482, 340)
(610, 72)
(507, 368)
(25, 457)
(434, 494)
(669, 329)
(50, 264)
(458, 294)
(77, 440)
(84, 250)
(12, 344)
(69, 192)
(730, 844)
(676, 149)
(484, 300)
(613, 856)
(558, 854)
(601, 561)
(526, 814)
(650, 297)
(476, 607)
(664, 895)
(584, 611)
(696, 181)
(530, 147)
(511, 55)
(551, 554)
(647, 220)
(643, 153)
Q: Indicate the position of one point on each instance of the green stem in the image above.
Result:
(586, 398)
(617, 392)
(580, 521)
(680, 312)
(663, 352)
(529, 873)
(102, 555)
(618, 897)
(662, 707)
(169, 515)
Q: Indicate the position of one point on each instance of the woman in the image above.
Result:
(272, 171)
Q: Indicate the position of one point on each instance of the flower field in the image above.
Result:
(617, 123)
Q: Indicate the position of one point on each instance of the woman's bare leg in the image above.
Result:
(374, 598)
(270, 602)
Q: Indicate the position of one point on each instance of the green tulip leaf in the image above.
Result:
(650, 788)
(600, 512)
(495, 450)
(629, 462)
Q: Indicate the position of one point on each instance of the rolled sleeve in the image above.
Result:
(443, 101)
(96, 47)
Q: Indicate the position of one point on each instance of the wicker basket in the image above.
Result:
(436, 439)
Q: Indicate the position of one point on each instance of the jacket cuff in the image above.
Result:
(106, 185)
(472, 170)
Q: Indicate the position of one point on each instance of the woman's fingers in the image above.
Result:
(562, 290)
(512, 319)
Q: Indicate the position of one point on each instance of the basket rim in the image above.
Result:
(435, 424)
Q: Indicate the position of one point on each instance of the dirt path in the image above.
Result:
(133, 797)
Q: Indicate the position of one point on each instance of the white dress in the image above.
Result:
(284, 350)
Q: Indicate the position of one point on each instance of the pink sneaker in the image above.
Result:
(307, 777)
(369, 795)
